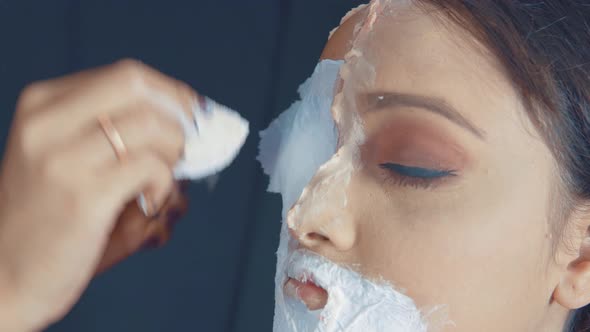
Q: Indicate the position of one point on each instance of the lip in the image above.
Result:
(313, 296)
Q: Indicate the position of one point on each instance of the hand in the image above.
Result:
(62, 189)
(135, 231)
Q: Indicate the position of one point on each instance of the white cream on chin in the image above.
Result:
(354, 302)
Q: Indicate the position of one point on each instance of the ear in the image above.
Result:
(573, 291)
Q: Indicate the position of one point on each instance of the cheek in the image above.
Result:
(473, 249)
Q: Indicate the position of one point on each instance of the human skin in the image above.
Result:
(67, 204)
(479, 238)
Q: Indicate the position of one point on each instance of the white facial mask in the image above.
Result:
(292, 150)
(311, 152)
(354, 303)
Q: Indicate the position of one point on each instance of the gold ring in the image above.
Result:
(113, 137)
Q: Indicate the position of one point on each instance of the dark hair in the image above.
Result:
(544, 48)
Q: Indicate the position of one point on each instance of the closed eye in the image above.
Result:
(415, 176)
(417, 172)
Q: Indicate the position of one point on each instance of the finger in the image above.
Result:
(110, 91)
(159, 232)
(43, 92)
(142, 130)
(133, 231)
(123, 182)
(127, 237)
(175, 206)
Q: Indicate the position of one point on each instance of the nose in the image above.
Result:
(322, 217)
(325, 231)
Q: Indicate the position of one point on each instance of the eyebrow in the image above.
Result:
(383, 100)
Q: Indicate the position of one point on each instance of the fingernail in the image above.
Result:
(173, 215)
(204, 107)
(152, 243)
(143, 204)
(155, 216)
(146, 205)
(202, 103)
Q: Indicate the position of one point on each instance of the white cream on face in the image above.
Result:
(311, 165)
(354, 302)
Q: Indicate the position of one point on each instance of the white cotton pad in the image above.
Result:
(212, 140)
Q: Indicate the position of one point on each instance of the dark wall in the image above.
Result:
(217, 272)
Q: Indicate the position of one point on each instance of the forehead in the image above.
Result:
(417, 51)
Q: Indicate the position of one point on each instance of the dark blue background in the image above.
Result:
(217, 272)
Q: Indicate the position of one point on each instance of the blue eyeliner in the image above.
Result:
(416, 172)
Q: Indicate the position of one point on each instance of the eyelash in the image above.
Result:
(417, 177)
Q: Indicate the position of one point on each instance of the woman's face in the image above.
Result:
(452, 201)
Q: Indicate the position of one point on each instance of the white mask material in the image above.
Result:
(292, 149)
